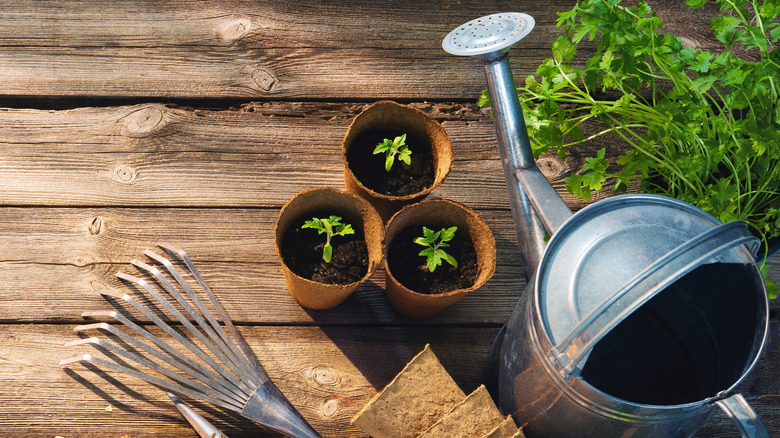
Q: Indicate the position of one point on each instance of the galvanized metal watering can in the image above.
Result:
(643, 313)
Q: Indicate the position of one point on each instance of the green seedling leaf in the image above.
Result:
(331, 226)
(393, 148)
(434, 241)
(327, 252)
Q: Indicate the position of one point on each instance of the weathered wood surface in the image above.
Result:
(328, 372)
(262, 49)
(330, 375)
(123, 124)
(150, 155)
(57, 259)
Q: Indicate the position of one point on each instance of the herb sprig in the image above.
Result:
(331, 226)
(434, 242)
(703, 127)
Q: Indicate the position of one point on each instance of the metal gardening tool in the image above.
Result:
(200, 424)
(642, 313)
(232, 379)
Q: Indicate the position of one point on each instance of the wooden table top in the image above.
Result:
(123, 124)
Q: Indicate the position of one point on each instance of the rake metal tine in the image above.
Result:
(217, 346)
(200, 424)
(211, 380)
(222, 313)
(150, 379)
(153, 366)
(174, 353)
(176, 335)
(195, 299)
(214, 348)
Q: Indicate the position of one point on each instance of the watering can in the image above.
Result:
(642, 313)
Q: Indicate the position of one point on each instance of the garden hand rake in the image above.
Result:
(233, 380)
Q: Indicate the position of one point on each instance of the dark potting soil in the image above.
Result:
(403, 179)
(302, 252)
(410, 269)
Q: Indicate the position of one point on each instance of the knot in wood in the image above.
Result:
(96, 226)
(235, 28)
(125, 174)
(97, 285)
(325, 376)
(551, 166)
(144, 121)
(264, 79)
(686, 42)
(330, 407)
(82, 262)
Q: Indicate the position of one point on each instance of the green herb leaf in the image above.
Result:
(583, 184)
(702, 127)
(725, 27)
(563, 49)
(695, 4)
(702, 85)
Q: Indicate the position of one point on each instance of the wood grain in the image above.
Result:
(263, 49)
(329, 376)
(56, 260)
(152, 154)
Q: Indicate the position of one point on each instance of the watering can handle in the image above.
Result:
(645, 285)
(748, 423)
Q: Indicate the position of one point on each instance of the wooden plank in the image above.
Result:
(55, 260)
(151, 154)
(262, 49)
(238, 50)
(328, 373)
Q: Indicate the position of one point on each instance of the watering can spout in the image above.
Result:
(536, 207)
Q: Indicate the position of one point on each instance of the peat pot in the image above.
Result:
(355, 211)
(437, 214)
(644, 314)
(431, 156)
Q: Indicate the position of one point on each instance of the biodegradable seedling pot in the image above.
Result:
(436, 213)
(427, 140)
(355, 211)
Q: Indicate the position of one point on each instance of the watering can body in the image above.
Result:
(547, 405)
(644, 315)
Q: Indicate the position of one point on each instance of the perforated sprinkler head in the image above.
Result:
(490, 35)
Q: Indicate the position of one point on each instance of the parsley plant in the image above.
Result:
(331, 226)
(434, 242)
(702, 127)
(394, 147)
